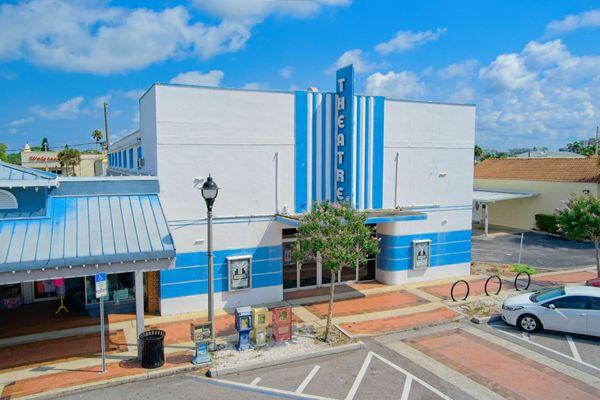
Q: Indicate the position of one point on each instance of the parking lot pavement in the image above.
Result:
(539, 250)
(373, 373)
(582, 352)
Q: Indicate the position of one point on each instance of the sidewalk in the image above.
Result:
(73, 362)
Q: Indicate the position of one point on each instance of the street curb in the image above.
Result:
(158, 373)
(217, 371)
(485, 320)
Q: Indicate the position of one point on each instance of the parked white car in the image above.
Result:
(573, 309)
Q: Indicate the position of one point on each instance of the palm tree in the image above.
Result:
(69, 157)
(97, 136)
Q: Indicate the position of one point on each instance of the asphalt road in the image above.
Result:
(539, 250)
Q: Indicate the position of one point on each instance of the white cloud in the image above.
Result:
(211, 78)
(355, 57)
(256, 10)
(588, 19)
(543, 91)
(507, 72)
(97, 38)
(286, 72)
(406, 40)
(21, 121)
(394, 84)
(256, 86)
(458, 70)
(68, 109)
(99, 101)
(133, 94)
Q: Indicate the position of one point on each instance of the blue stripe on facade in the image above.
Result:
(367, 159)
(359, 144)
(324, 146)
(314, 169)
(301, 166)
(447, 248)
(378, 133)
(189, 277)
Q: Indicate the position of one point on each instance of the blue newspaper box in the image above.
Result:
(243, 324)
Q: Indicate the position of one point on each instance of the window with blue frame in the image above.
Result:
(120, 159)
(131, 158)
(124, 158)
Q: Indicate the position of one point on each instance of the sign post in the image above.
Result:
(101, 291)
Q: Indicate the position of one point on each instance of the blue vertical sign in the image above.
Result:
(344, 130)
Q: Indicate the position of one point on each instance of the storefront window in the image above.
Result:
(44, 290)
(121, 287)
(10, 296)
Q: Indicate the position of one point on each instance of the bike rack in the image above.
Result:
(457, 282)
(528, 280)
(488, 281)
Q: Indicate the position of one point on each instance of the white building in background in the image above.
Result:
(273, 154)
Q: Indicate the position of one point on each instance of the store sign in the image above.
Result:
(421, 253)
(42, 158)
(344, 127)
(101, 285)
(239, 269)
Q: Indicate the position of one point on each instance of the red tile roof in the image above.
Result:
(540, 169)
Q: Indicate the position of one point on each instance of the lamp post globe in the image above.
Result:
(210, 190)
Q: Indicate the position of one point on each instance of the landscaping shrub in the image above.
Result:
(518, 268)
(546, 223)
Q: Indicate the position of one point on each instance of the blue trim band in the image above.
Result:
(378, 133)
(301, 132)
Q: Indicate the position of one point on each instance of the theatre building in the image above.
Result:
(407, 164)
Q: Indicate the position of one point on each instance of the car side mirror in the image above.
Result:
(552, 306)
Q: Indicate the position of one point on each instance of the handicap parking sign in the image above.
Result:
(101, 285)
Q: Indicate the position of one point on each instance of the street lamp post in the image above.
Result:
(210, 191)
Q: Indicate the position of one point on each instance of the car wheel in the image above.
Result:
(529, 323)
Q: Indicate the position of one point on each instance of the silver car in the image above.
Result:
(573, 309)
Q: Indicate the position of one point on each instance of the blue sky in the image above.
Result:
(532, 67)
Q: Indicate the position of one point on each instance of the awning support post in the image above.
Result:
(139, 310)
(487, 218)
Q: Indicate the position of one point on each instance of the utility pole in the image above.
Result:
(597, 139)
(106, 141)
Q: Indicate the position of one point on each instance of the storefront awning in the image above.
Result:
(16, 176)
(494, 196)
(373, 217)
(87, 231)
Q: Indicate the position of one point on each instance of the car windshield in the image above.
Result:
(547, 294)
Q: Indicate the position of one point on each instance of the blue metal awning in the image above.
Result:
(87, 229)
(16, 176)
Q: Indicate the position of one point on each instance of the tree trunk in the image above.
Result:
(330, 310)
(597, 244)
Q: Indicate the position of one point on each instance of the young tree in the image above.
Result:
(338, 235)
(69, 157)
(580, 220)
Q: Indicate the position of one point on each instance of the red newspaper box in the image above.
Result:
(282, 323)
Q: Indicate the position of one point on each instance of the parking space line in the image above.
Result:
(308, 378)
(261, 390)
(255, 381)
(359, 377)
(409, 375)
(573, 348)
(406, 390)
(506, 332)
(407, 384)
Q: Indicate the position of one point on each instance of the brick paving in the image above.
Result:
(569, 277)
(501, 370)
(64, 379)
(60, 349)
(392, 324)
(367, 304)
(476, 288)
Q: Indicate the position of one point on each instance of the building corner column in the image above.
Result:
(139, 309)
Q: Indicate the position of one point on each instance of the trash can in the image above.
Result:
(153, 348)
